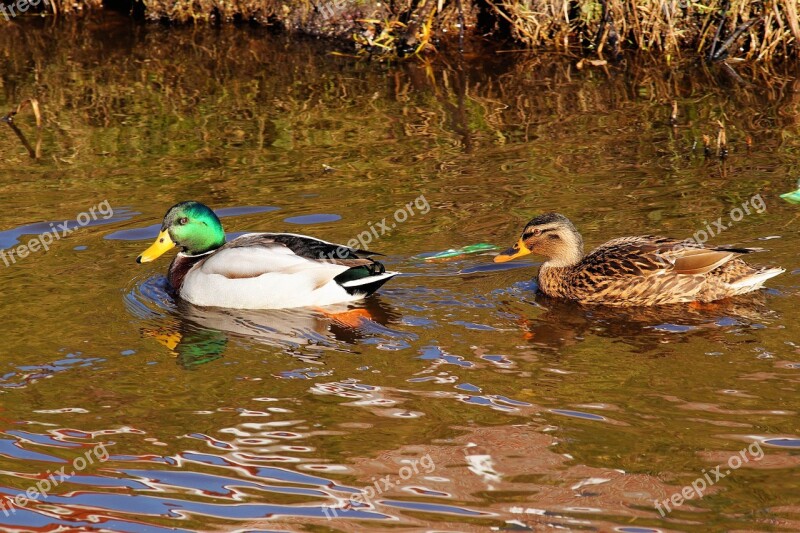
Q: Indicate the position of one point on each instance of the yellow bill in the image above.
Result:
(518, 250)
(163, 244)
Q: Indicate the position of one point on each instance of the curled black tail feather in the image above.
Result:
(377, 268)
(360, 272)
(362, 275)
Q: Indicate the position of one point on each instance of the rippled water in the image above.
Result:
(456, 399)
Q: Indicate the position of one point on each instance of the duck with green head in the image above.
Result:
(259, 270)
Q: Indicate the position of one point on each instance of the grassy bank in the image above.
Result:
(716, 30)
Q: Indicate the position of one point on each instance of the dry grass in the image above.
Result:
(715, 28)
(764, 30)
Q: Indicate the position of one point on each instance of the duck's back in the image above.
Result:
(653, 270)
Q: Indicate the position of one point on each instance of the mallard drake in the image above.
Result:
(630, 271)
(259, 270)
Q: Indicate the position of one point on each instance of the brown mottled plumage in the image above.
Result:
(631, 271)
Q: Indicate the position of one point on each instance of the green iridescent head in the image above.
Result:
(191, 226)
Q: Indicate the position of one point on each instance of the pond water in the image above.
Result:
(456, 399)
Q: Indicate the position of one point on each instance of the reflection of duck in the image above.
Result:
(634, 271)
(203, 333)
(559, 323)
(259, 270)
(192, 347)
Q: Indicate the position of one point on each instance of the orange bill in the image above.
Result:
(518, 250)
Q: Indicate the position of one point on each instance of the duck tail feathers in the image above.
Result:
(369, 284)
(756, 280)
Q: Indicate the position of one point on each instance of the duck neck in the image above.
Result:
(553, 278)
(180, 266)
(567, 259)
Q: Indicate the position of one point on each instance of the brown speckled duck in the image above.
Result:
(634, 271)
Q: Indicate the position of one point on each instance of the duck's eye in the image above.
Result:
(537, 232)
(183, 221)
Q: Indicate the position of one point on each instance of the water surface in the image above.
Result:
(465, 401)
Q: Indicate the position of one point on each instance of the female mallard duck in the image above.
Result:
(259, 270)
(630, 271)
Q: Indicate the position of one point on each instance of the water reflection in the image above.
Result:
(553, 324)
(204, 332)
(198, 335)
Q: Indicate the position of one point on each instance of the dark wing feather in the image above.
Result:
(307, 247)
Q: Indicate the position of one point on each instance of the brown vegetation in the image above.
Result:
(765, 30)
(714, 28)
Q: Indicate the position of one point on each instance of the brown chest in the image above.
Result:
(555, 282)
(179, 267)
